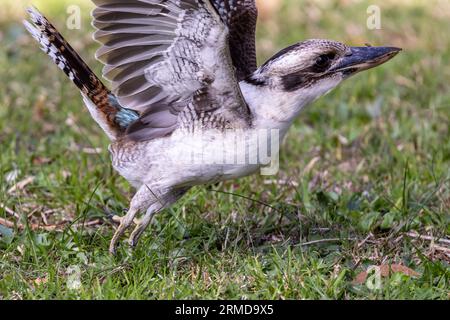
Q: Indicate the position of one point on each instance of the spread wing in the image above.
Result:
(240, 16)
(162, 55)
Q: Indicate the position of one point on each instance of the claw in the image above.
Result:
(125, 223)
(118, 219)
(140, 227)
(135, 235)
(144, 198)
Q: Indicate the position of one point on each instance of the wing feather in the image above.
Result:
(240, 16)
(163, 53)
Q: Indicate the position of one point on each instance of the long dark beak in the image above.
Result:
(363, 58)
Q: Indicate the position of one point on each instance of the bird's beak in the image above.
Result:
(363, 58)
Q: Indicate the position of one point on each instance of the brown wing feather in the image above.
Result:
(240, 16)
(68, 60)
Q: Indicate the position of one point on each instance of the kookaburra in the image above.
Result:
(185, 85)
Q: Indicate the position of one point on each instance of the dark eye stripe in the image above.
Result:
(295, 81)
(307, 77)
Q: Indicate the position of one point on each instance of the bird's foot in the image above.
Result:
(140, 228)
(118, 219)
(135, 235)
(125, 223)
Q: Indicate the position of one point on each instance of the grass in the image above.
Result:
(361, 169)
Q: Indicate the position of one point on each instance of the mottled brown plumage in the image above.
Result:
(77, 70)
(240, 16)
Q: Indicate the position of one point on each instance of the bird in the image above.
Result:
(185, 89)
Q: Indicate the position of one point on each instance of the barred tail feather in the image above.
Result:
(101, 103)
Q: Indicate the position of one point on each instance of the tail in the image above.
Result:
(101, 103)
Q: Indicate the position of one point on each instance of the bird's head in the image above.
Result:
(309, 69)
(311, 63)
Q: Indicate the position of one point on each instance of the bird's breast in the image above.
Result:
(201, 157)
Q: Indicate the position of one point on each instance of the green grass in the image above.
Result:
(378, 150)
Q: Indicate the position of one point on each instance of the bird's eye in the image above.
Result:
(324, 61)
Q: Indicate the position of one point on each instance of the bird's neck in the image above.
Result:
(272, 108)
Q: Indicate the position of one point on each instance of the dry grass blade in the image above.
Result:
(9, 211)
(21, 184)
(6, 223)
(49, 228)
(428, 238)
(325, 241)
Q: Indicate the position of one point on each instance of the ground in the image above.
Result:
(363, 185)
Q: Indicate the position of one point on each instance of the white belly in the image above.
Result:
(194, 159)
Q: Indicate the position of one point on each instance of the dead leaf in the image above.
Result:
(40, 281)
(41, 160)
(21, 184)
(310, 165)
(385, 271)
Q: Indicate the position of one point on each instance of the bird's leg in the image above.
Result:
(161, 203)
(141, 200)
(125, 223)
(143, 224)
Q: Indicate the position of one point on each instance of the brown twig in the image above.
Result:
(6, 223)
(21, 184)
(50, 228)
(428, 238)
(9, 211)
(304, 244)
(360, 244)
(441, 248)
(88, 223)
